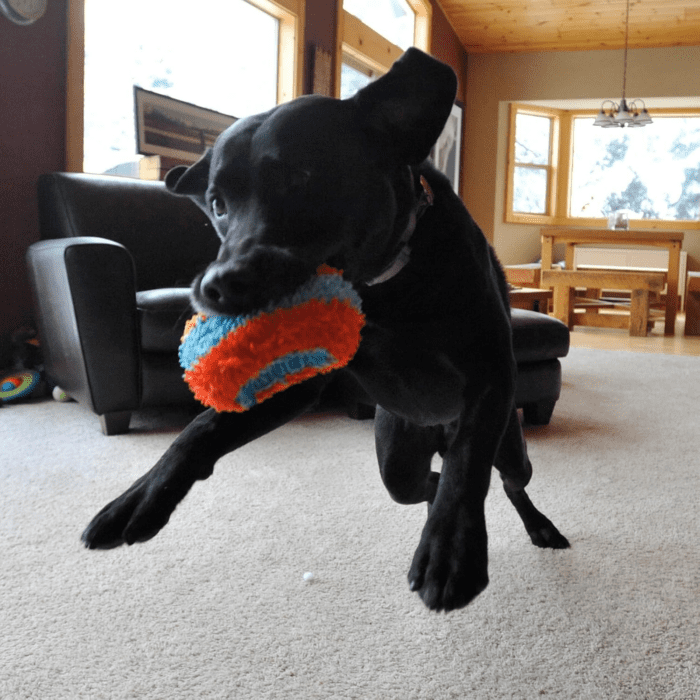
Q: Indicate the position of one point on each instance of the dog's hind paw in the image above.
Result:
(449, 568)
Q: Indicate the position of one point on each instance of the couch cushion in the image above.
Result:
(538, 337)
(162, 316)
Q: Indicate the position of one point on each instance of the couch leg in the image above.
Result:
(115, 423)
(539, 413)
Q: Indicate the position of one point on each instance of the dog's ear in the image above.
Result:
(405, 111)
(191, 181)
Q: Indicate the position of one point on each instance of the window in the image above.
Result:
(653, 172)
(354, 75)
(564, 171)
(395, 20)
(163, 47)
(375, 34)
(533, 163)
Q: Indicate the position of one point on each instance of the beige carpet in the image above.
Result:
(216, 606)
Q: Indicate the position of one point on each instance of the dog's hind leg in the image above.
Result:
(404, 453)
(515, 469)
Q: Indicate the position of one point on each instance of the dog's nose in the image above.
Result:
(232, 287)
(224, 289)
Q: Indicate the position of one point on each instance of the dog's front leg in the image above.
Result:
(145, 508)
(450, 566)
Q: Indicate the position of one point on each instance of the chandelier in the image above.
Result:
(620, 115)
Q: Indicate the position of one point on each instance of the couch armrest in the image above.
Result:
(85, 294)
(168, 237)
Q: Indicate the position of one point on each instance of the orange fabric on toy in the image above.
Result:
(234, 363)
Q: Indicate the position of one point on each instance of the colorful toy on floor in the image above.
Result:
(234, 363)
(20, 384)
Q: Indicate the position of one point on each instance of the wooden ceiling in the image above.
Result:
(503, 26)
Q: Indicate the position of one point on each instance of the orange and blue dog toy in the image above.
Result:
(233, 363)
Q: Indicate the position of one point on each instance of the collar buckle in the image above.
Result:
(426, 198)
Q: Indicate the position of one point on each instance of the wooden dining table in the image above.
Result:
(671, 240)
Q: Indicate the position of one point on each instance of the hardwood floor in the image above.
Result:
(656, 341)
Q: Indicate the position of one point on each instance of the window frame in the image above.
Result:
(373, 52)
(290, 59)
(559, 195)
(551, 168)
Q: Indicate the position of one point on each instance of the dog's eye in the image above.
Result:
(218, 206)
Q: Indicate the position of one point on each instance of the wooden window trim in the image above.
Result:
(367, 46)
(560, 197)
(370, 49)
(290, 14)
(75, 89)
(552, 168)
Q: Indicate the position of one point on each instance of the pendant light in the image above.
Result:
(620, 115)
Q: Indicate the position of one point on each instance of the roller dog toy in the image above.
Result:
(233, 363)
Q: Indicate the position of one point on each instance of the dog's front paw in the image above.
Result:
(449, 567)
(546, 535)
(136, 516)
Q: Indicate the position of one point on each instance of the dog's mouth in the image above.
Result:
(224, 290)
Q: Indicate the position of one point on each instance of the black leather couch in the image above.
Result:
(111, 277)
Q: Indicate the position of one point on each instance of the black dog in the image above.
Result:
(320, 180)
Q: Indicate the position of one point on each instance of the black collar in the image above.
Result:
(424, 203)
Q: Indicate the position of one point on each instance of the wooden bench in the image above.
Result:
(672, 241)
(692, 305)
(640, 284)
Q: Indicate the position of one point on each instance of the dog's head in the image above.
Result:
(316, 180)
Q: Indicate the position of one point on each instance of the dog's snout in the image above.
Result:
(222, 290)
(235, 287)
